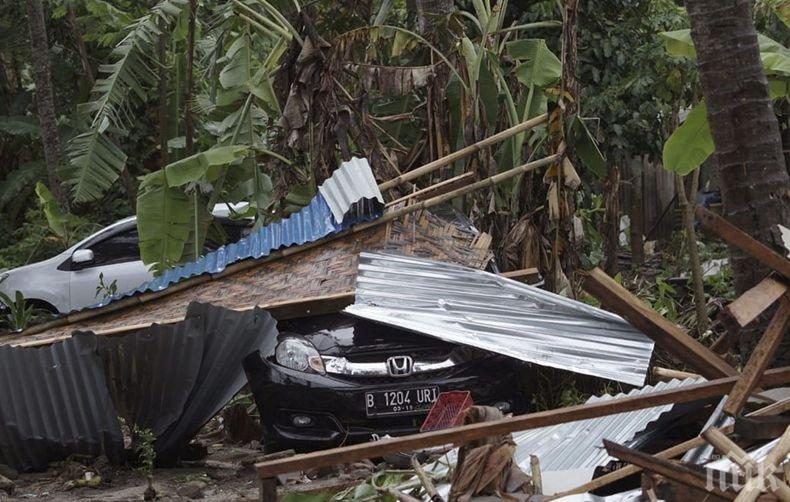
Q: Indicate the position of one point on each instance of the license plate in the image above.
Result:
(400, 402)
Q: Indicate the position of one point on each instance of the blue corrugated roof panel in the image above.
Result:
(313, 222)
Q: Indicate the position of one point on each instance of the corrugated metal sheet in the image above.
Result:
(352, 181)
(151, 372)
(229, 336)
(576, 445)
(53, 403)
(487, 311)
(354, 199)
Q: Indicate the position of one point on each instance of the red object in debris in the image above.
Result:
(448, 410)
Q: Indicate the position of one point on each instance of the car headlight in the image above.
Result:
(298, 354)
(4, 276)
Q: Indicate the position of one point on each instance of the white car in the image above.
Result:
(68, 281)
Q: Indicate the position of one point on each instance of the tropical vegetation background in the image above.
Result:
(110, 108)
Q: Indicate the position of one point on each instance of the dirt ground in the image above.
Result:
(227, 475)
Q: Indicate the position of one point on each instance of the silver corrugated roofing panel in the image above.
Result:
(576, 445)
(487, 311)
(351, 182)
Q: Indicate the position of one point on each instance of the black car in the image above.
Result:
(336, 379)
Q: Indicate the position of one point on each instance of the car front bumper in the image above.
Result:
(336, 405)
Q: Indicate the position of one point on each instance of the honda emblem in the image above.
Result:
(400, 366)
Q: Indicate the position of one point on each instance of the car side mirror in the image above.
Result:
(81, 257)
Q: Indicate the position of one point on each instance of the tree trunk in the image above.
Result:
(75, 30)
(637, 229)
(45, 101)
(611, 220)
(691, 243)
(754, 180)
(188, 127)
(431, 14)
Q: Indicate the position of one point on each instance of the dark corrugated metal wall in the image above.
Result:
(62, 399)
(54, 402)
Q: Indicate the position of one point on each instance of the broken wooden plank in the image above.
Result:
(748, 307)
(679, 472)
(528, 275)
(666, 334)
(745, 242)
(467, 433)
(768, 466)
(760, 359)
(735, 453)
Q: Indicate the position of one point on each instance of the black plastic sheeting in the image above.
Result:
(66, 398)
(54, 403)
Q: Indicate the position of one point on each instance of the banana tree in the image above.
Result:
(691, 143)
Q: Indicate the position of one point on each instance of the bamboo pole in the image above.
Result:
(461, 178)
(464, 152)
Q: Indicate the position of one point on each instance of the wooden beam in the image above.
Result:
(528, 275)
(747, 307)
(760, 359)
(672, 452)
(666, 334)
(681, 473)
(740, 239)
(467, 433)
(464, 152)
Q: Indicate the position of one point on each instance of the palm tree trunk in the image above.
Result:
(45, 101)
(754, 180)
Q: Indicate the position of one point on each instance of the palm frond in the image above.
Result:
(95, 162)
(20, 181)
(19, 126)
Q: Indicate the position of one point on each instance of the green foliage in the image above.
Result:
(19, 126)
(539, 67)
(628, 81)
(163, 217)
(106, 290)
(143, 440)
(95, 161)
(585, 146)
(690, 144)
(18, 311)
(63, 224)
